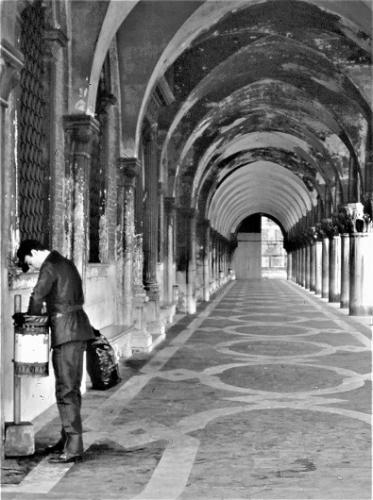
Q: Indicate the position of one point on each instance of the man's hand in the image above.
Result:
(19, 318)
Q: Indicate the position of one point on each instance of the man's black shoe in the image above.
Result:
(55, 448)
(65, 458)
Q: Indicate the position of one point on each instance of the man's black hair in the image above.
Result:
(25, 249)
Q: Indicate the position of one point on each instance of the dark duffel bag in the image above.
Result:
(102, 366)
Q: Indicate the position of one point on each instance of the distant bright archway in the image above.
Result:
(273, 254)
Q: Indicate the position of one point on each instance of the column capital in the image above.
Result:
(128, 169)
(170, 204)
(205, 224)
(11, 63)
(360, 221)
(55, 39)
(83, 128)
(187, 212)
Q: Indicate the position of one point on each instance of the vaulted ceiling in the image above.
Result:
(269, 106)
(267, 117)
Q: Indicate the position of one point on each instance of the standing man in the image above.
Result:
(60, 286)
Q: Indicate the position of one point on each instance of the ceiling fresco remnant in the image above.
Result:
(271, 102)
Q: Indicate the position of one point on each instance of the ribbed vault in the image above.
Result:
(263, 105)
(258, 187)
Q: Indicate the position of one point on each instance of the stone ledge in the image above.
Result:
(120, 337)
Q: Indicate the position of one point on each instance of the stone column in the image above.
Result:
(55, 40)
(128, 169)
(325, 268)
(303, 266)
(307, 280)
(313, 266)
(81, 131)
(162, 242)
(170, 212)
(335, 269)
(297, 276)
(361, 274)
(293, 261)
(191, 266)
(151, 216)
(318, 267)
(345, 270)
(289, 267)
(206, 259)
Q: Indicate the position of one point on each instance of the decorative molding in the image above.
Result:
(128, 170)
(56, 37)
(83, 128)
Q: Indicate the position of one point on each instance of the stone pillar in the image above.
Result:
(318, 267)
(128, 169)
(191, 266)
(170, 212)
(294, 265)
(55, 40)
(297, 266)
(325, 268)
(162, 242)
(81, 131)
(289, 269)
(345, 270)
(151, 216)
(303, 267)
(335, 269)
(313, 266)
(361, 274)
(307, 280)
(206, 260)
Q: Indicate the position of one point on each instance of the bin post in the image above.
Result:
(19, 436)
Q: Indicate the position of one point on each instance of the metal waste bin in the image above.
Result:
(31, 347)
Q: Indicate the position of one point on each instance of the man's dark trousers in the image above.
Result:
(67, 362)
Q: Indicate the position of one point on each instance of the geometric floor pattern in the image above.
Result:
(265, 394)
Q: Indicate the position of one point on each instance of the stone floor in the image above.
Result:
(264, 394)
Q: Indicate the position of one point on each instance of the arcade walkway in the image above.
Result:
(264, 394)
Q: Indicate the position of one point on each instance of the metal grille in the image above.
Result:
(33, 175)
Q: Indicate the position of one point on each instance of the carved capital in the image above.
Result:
(361, 222)
(128, 169)
(55, 39)
(152, 289)
(83, 129)
(311, 234)
(187, 212)
(329, 227)
(11, 63)
(205, 224)
(170, 205)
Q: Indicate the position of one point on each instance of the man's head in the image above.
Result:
(31, 253)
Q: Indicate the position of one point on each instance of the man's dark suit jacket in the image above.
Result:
(60, 286)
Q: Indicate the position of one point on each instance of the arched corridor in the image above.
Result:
(142, 141)
(265, 393)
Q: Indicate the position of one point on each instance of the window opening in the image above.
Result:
(274, 257)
